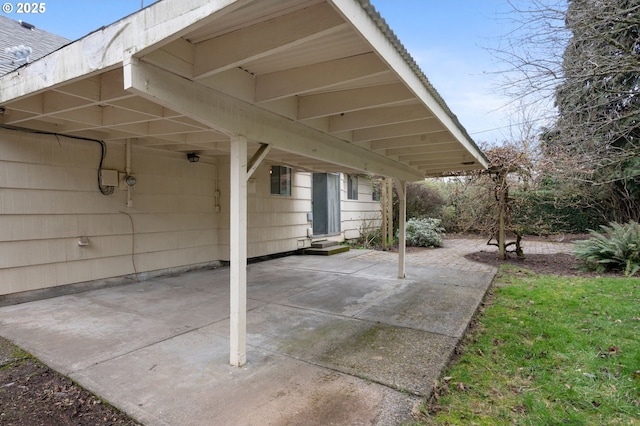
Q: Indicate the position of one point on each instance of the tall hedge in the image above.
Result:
(542, 213)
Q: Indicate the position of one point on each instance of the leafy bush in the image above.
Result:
(546, 212)
(425, 232)
(616, 248)
(423, 200)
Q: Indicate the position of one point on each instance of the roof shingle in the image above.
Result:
(12, 33)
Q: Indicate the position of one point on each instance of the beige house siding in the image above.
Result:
(361, 212)
(276, 223)
(49, 198)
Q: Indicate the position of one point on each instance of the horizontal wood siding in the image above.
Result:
(361, 212)
(49, 198)
(276, 223)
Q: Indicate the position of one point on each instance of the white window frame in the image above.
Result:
(276, 175)
(352, 187)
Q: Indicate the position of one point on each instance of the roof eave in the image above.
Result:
(370, 24)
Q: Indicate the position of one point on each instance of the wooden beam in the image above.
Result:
(323, 75)
(420, 142)
(257, 158)
(339, 102)
(412, 128)
(431, 147)
(376, 117)
(264, 38)
(106, 87)
(177, 56)
(434, 151)
(448, 170)
(233, 116)
(444, 159)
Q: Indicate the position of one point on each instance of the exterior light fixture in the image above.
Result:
(193, 157)
(130, 180)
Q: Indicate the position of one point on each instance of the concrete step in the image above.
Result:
(326, 251)
(323, 244)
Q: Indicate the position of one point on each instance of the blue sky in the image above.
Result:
(447, 38)
(450, 41)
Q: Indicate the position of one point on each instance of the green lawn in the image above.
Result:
(548, 351)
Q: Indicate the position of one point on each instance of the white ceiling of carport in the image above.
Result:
(307, 62)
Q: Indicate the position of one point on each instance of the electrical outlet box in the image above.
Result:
(109, 177)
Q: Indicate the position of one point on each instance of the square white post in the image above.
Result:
(238, 251)
(401, 186)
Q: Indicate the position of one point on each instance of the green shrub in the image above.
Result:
(425, 232)
(617, 248)
(545, 212)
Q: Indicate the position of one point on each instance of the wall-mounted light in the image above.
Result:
(130, 180)
(193, 157)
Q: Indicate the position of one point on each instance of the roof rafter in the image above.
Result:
(322, 75)
(325, 104)
(377, 116)
(423, 128)
(262, 39)
(233, 116)
(393, 53)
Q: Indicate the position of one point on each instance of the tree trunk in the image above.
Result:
(502, 253)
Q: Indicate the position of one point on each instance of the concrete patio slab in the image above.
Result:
(337, 340)
(430, 307)
(187, 381)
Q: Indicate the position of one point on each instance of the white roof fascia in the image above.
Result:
(108, 47)
(354, 12)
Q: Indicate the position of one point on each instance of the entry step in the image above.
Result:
(327, 251)
(323, 244)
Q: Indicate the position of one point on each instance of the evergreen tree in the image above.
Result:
(598, 129)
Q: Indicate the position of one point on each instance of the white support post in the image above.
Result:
(238, 252)
(388, 182)
(401, 186)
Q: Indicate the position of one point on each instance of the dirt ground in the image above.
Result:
(31, 394)
(544, 264)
